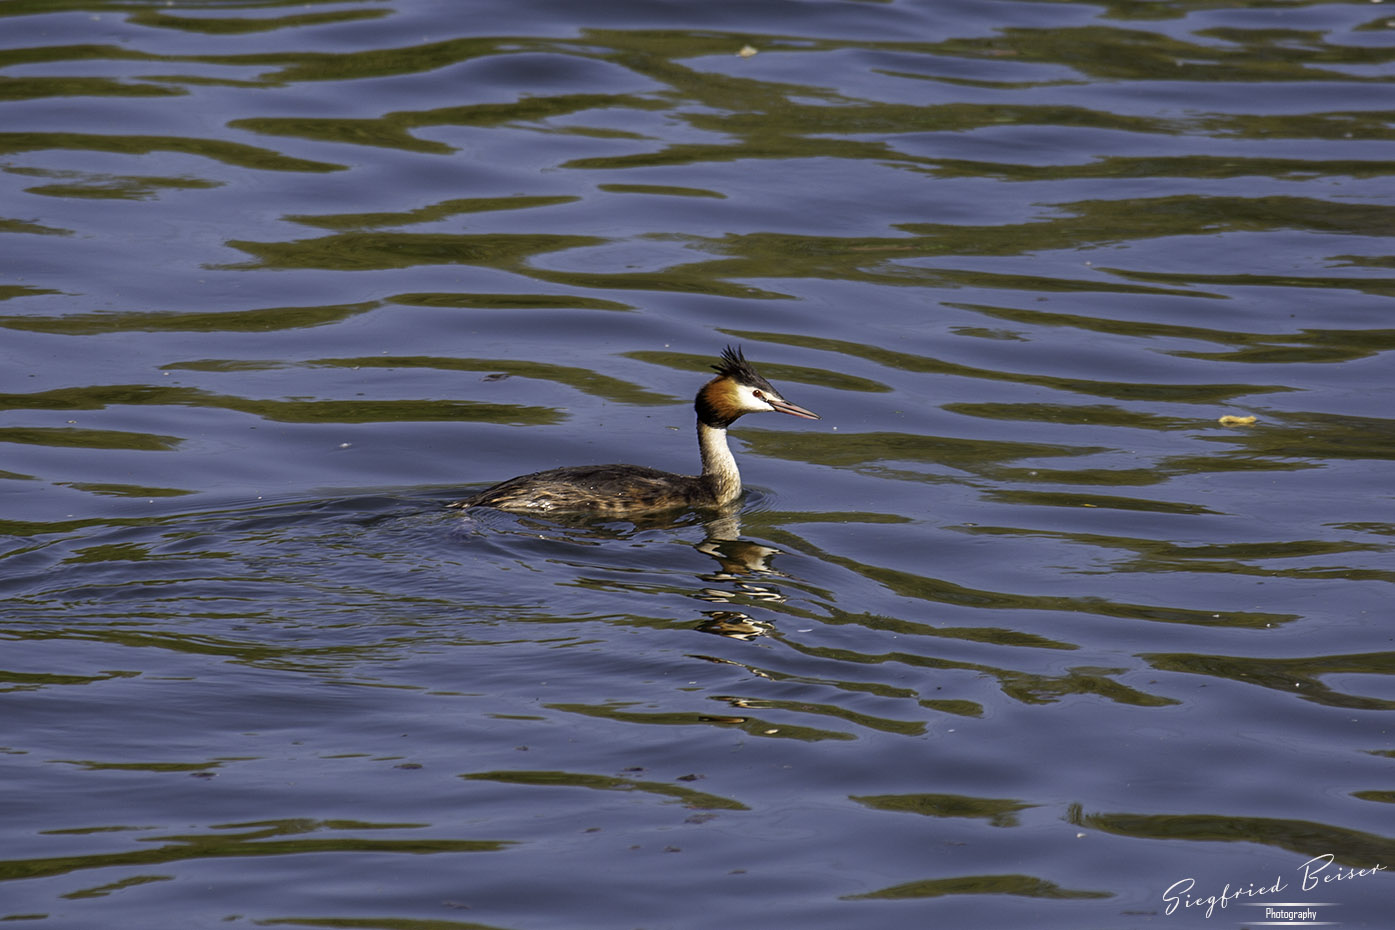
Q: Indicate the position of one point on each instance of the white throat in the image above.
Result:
(718, 463)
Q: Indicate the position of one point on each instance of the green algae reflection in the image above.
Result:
(257, 320)
(362, 251)
(271, 838)
(1355, 848)
(1026, 886)
(282, 411)
(999, 812)
(555, 779)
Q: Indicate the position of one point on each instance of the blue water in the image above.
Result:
(1022, 633)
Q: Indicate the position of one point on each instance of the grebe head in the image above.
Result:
(739, 389)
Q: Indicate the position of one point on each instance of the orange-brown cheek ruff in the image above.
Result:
(737, 390)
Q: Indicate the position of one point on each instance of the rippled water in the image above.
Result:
(1021, 634)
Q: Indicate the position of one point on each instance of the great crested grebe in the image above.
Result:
(615, 489)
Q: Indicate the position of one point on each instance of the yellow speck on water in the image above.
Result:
(746, 51)
(1229, 420)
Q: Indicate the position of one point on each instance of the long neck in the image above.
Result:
(718, 466)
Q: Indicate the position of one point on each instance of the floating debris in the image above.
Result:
(1229, 420)
(746, 51)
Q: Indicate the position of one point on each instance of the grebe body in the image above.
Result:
(737, 390)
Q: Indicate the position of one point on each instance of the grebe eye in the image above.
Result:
(759, 395)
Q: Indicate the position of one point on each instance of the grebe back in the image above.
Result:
(617, 489)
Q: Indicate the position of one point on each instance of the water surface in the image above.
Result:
(1022, 633)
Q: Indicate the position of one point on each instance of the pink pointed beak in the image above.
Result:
(793, 410)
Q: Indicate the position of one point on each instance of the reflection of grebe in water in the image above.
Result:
(622, 489)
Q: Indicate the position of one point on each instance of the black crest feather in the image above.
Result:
(734, 365)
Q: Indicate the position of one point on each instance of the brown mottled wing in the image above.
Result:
(591, 489)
